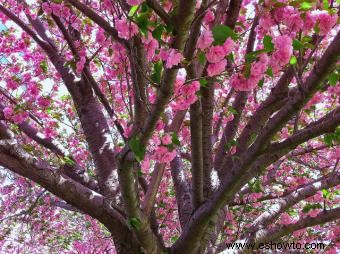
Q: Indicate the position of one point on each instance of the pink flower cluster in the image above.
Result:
(17, 118)
(162, 153)
(150, 45)
(205, 40)
(286, 219)
(171, 56)
(326, 22)
(216, 57)
(240, 83)
(57, 9)
(126, 30)
(134, 2)
(11, 84)
(185, 94)
(283, 52)
(100, 36)
(80, 65)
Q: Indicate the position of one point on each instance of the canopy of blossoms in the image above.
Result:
(171, 126)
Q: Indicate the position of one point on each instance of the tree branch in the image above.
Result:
(282, 204)
(280, 231)
(237, 177)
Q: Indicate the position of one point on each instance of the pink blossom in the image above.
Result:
(309, 22)
(185, 94)
(209, 17)
(126, 30)
(46, 8)
(20, 117)
(229, 118)
(100, 36)
(11, 84)
(240, 83)
(228, 46)
(295, 22)
(216, 68)
(150, 45)
(8, 112)
(173, 58)
(205, 40)
(145, 165)
(166, 140)
(80, 65)
(32, 90)
(215, 54)
(326, 22)
(163, 155)
(285, 219)
(56, 9)
(127, 131)
(283, 52)
(134, 2)
(49, 132)
(258, 68)
(313, 213)
(43, 102)
(266, 22)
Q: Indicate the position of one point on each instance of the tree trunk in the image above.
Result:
(127, 247)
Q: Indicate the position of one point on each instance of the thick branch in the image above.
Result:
(277, 232)
(17, 160)
(183, 197)
(282, 204)
(160, 11)
(88, 12)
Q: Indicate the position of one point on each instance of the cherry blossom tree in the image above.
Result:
(171, 126)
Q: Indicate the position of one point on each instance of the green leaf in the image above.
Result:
(67, 160)
(268, 43)
(175, 139)
(71, 64)
(230, 144)
(261, 82)
(43, 66)
(157, 32)
(232, 110)
(297, 44)
(134, 223)
(305, 6)
(328, 139)
(169, 28)
(293, 60)
(333, 79)
(173, 239)
(145, 7)
(326, 194)
(310, 207)
(137, 148)
(252, 138)
(269, 72)
(201, 58)
(231, 57)
(133, 10)
(250, 57)
(203, 82)
(142, 21)
(246, 71)
(157, 72)
(325, 4)
(221, 33)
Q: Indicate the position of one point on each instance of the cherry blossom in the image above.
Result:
(168, 126)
